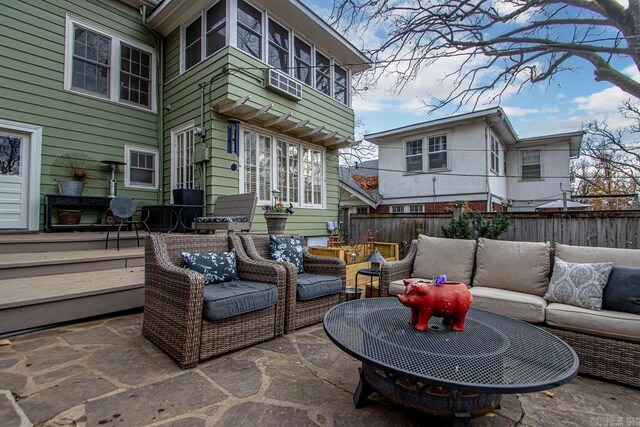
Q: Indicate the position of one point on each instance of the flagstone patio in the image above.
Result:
(103, 373)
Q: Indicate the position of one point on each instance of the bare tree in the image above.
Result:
(9, 155)
(609, 161)
(503, 43)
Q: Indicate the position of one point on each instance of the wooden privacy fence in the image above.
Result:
(614, 229)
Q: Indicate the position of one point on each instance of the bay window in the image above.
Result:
(297, 170)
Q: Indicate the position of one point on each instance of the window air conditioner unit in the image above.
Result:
(284, 84)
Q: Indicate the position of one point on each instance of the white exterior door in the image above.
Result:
(14, 179)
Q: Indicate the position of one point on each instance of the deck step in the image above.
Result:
(30, 302)
(75, 241)
(37, 264)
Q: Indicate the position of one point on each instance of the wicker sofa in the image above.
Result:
(510, 278)
(174, 300)
(301, 312)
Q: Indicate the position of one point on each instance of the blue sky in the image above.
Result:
(570, 100)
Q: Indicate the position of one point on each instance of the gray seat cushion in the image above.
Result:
(622, 257)
(312, 286)
(604, 323)
(525, 307)
(229, 299)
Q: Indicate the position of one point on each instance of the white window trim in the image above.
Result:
(114, 81)
(394, 207)
(274, 137)
(178, 129)
(495, 154)
(520, 164)
(421, 205)
(426, 152)
(202, 14)
(127, 178)
(404, 147)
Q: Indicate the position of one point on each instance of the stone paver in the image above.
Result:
(105, 373)
(73, 391)
(156, 402)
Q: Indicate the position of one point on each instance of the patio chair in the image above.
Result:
(302, 311)
(175, 318)
(230, 214)
(123, 210)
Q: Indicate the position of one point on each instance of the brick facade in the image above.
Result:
(445, 207)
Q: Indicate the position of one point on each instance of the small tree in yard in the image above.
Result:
(464, 227)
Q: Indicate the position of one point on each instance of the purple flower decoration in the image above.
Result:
(440, 280)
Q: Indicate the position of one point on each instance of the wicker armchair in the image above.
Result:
(397, 270)
(300, 313)
(173, 303)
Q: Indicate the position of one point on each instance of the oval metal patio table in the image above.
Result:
(459, 375)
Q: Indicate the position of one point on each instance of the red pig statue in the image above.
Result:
(450, 300)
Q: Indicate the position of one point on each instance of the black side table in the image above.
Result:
(371, 273)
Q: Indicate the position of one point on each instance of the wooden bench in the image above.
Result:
(230, 213)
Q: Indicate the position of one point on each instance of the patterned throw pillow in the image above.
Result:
(216, 268)
(580, 285)
(288, 249)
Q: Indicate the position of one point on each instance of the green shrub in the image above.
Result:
(458, 228)
(463, 228)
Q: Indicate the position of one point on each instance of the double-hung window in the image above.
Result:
(142, 167)
(249, 29)
(495, 154)
(340, 84)
(438, 152)
(91, 61)
(531, 164)
(297, 170)
(135, 76)
(302, 61)
(323, 73)
(414, 155)
(105, 65)
(278, 47)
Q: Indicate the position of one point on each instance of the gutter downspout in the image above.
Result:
(486, 165)
(159, 42)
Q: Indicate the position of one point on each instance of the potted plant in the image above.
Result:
(276, 214)
(74, 165)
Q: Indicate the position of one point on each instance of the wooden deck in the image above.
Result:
(48, 278)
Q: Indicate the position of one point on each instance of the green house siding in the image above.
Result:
(32, 49)
(184, 96)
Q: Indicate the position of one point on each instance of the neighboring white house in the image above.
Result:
(475, 157)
